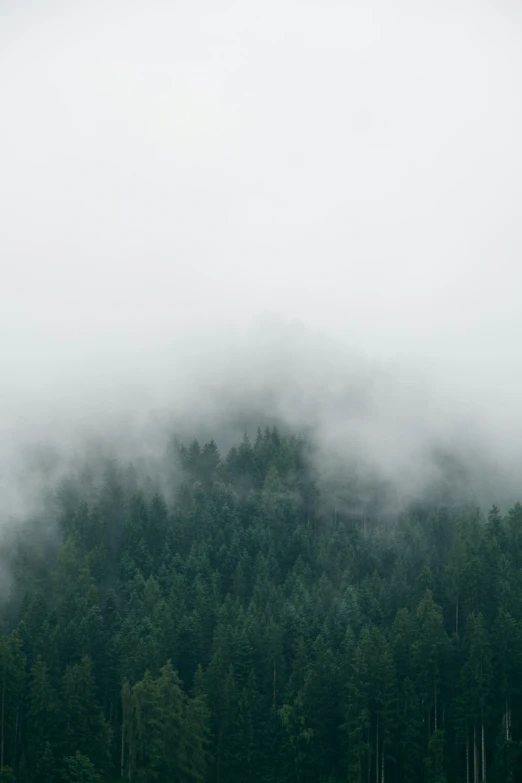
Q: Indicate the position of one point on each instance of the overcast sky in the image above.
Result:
(172, 168)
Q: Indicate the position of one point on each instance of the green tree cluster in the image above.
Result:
(255, 628)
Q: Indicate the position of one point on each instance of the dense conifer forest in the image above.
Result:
(235, 622)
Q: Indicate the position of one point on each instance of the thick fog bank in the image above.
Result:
(369, 422)
(171, 170)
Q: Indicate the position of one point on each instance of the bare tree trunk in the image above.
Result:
(369, 754)
(377, 752)
(122, 757)
(218, 759)
(274, 683)
(483, 752)
(435, 699)
(457, 616)
(17, 720)
(3, 724)
(467, 755)
(508, 722)
(130, 762)
(19, 737)
(475, 759)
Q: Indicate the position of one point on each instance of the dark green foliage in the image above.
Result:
(79, 769)
(261, 626)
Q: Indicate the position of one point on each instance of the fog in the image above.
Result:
(300, 212)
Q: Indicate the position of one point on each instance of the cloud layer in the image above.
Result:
(169, 173)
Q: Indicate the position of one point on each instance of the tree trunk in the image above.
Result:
(483, 752)
(475, 759)
(435, 699)
(457, 617)
(3, 722)
(369, 754)
(122, 757)
(218, 754)
(19, 738)
(17, 720)
(467, 755)
(382, 763)
(377, 752)
(274, 683)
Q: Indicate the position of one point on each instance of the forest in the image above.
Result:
(234, 622)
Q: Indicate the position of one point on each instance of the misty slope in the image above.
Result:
(330, 600)
(257, 626)
(389, 420)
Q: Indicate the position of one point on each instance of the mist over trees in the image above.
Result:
(258, 622)
(297, 216)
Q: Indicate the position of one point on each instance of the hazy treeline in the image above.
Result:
(247, 625)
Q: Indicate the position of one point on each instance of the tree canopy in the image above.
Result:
(237, 622)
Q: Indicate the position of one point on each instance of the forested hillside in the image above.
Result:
(240, 626)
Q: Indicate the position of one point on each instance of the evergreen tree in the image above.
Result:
(254, 621)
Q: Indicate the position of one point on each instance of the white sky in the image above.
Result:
(172, 168)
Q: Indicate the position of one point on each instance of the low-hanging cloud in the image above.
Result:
(170, 173)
